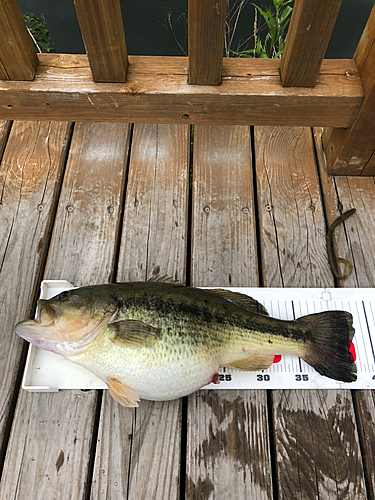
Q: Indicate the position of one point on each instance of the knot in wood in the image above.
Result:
(69, 209)
(245, 210)
(185, 116)
(351, 73)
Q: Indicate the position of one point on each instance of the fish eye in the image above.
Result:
(64, 295)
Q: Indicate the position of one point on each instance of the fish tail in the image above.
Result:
(328, 350)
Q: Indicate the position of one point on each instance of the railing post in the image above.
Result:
(352, 151)
(308, 36)
(103, 35)
(18, 60)
(206, 40)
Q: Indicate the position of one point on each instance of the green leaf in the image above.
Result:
(40, 33)
(285, 13)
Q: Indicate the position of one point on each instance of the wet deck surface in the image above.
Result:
(92, 203)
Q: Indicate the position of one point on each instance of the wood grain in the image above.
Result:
(351, 152)
(228, 453)
(309, 33)
(290, 209)
(155, 227)
(147, 465)
(309, 465)
(47, 428)
(228, 446)
(355, 242)
(171, 65)
(18, 60)
(29, 174)
(206, 31)
(103, 35)
(223, 237)
(49, 447)
(89, 208)
(318, 453)
(66, 91)
(356, 236)
(366, 405)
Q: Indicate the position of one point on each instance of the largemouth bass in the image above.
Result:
(162, 341)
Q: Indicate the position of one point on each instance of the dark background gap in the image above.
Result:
(146, 31)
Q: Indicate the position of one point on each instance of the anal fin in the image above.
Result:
(122, 393)
(252, 364)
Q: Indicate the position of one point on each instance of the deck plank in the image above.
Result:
(30, 172)
(293, 245)
(355, 241)
(153, 242)
(224, 240)
(290, 209)
(49, 449)
(228, 451)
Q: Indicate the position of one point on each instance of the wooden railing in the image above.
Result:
(301, 89)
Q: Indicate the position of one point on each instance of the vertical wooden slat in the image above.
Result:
(138, 451)
(228, 450)
(351, 151)
(103, 35)
(316, 440)
(309, 33)
(206, 40)
(18, 60)
(50, 444)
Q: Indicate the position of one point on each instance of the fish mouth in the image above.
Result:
(29, 330)
(38, 328)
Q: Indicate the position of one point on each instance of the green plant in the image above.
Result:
(39, 34)
(276, 23)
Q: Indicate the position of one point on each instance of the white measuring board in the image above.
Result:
(48, 372)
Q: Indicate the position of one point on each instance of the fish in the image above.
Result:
(160, 341)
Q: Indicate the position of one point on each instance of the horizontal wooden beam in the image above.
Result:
(157, 92)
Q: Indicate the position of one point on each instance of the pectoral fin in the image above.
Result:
(252, 364)
(122, 394)
(133, 333)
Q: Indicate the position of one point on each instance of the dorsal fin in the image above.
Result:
(163, 279)
(242, 300)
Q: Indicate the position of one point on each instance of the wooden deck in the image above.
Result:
(92, 203)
